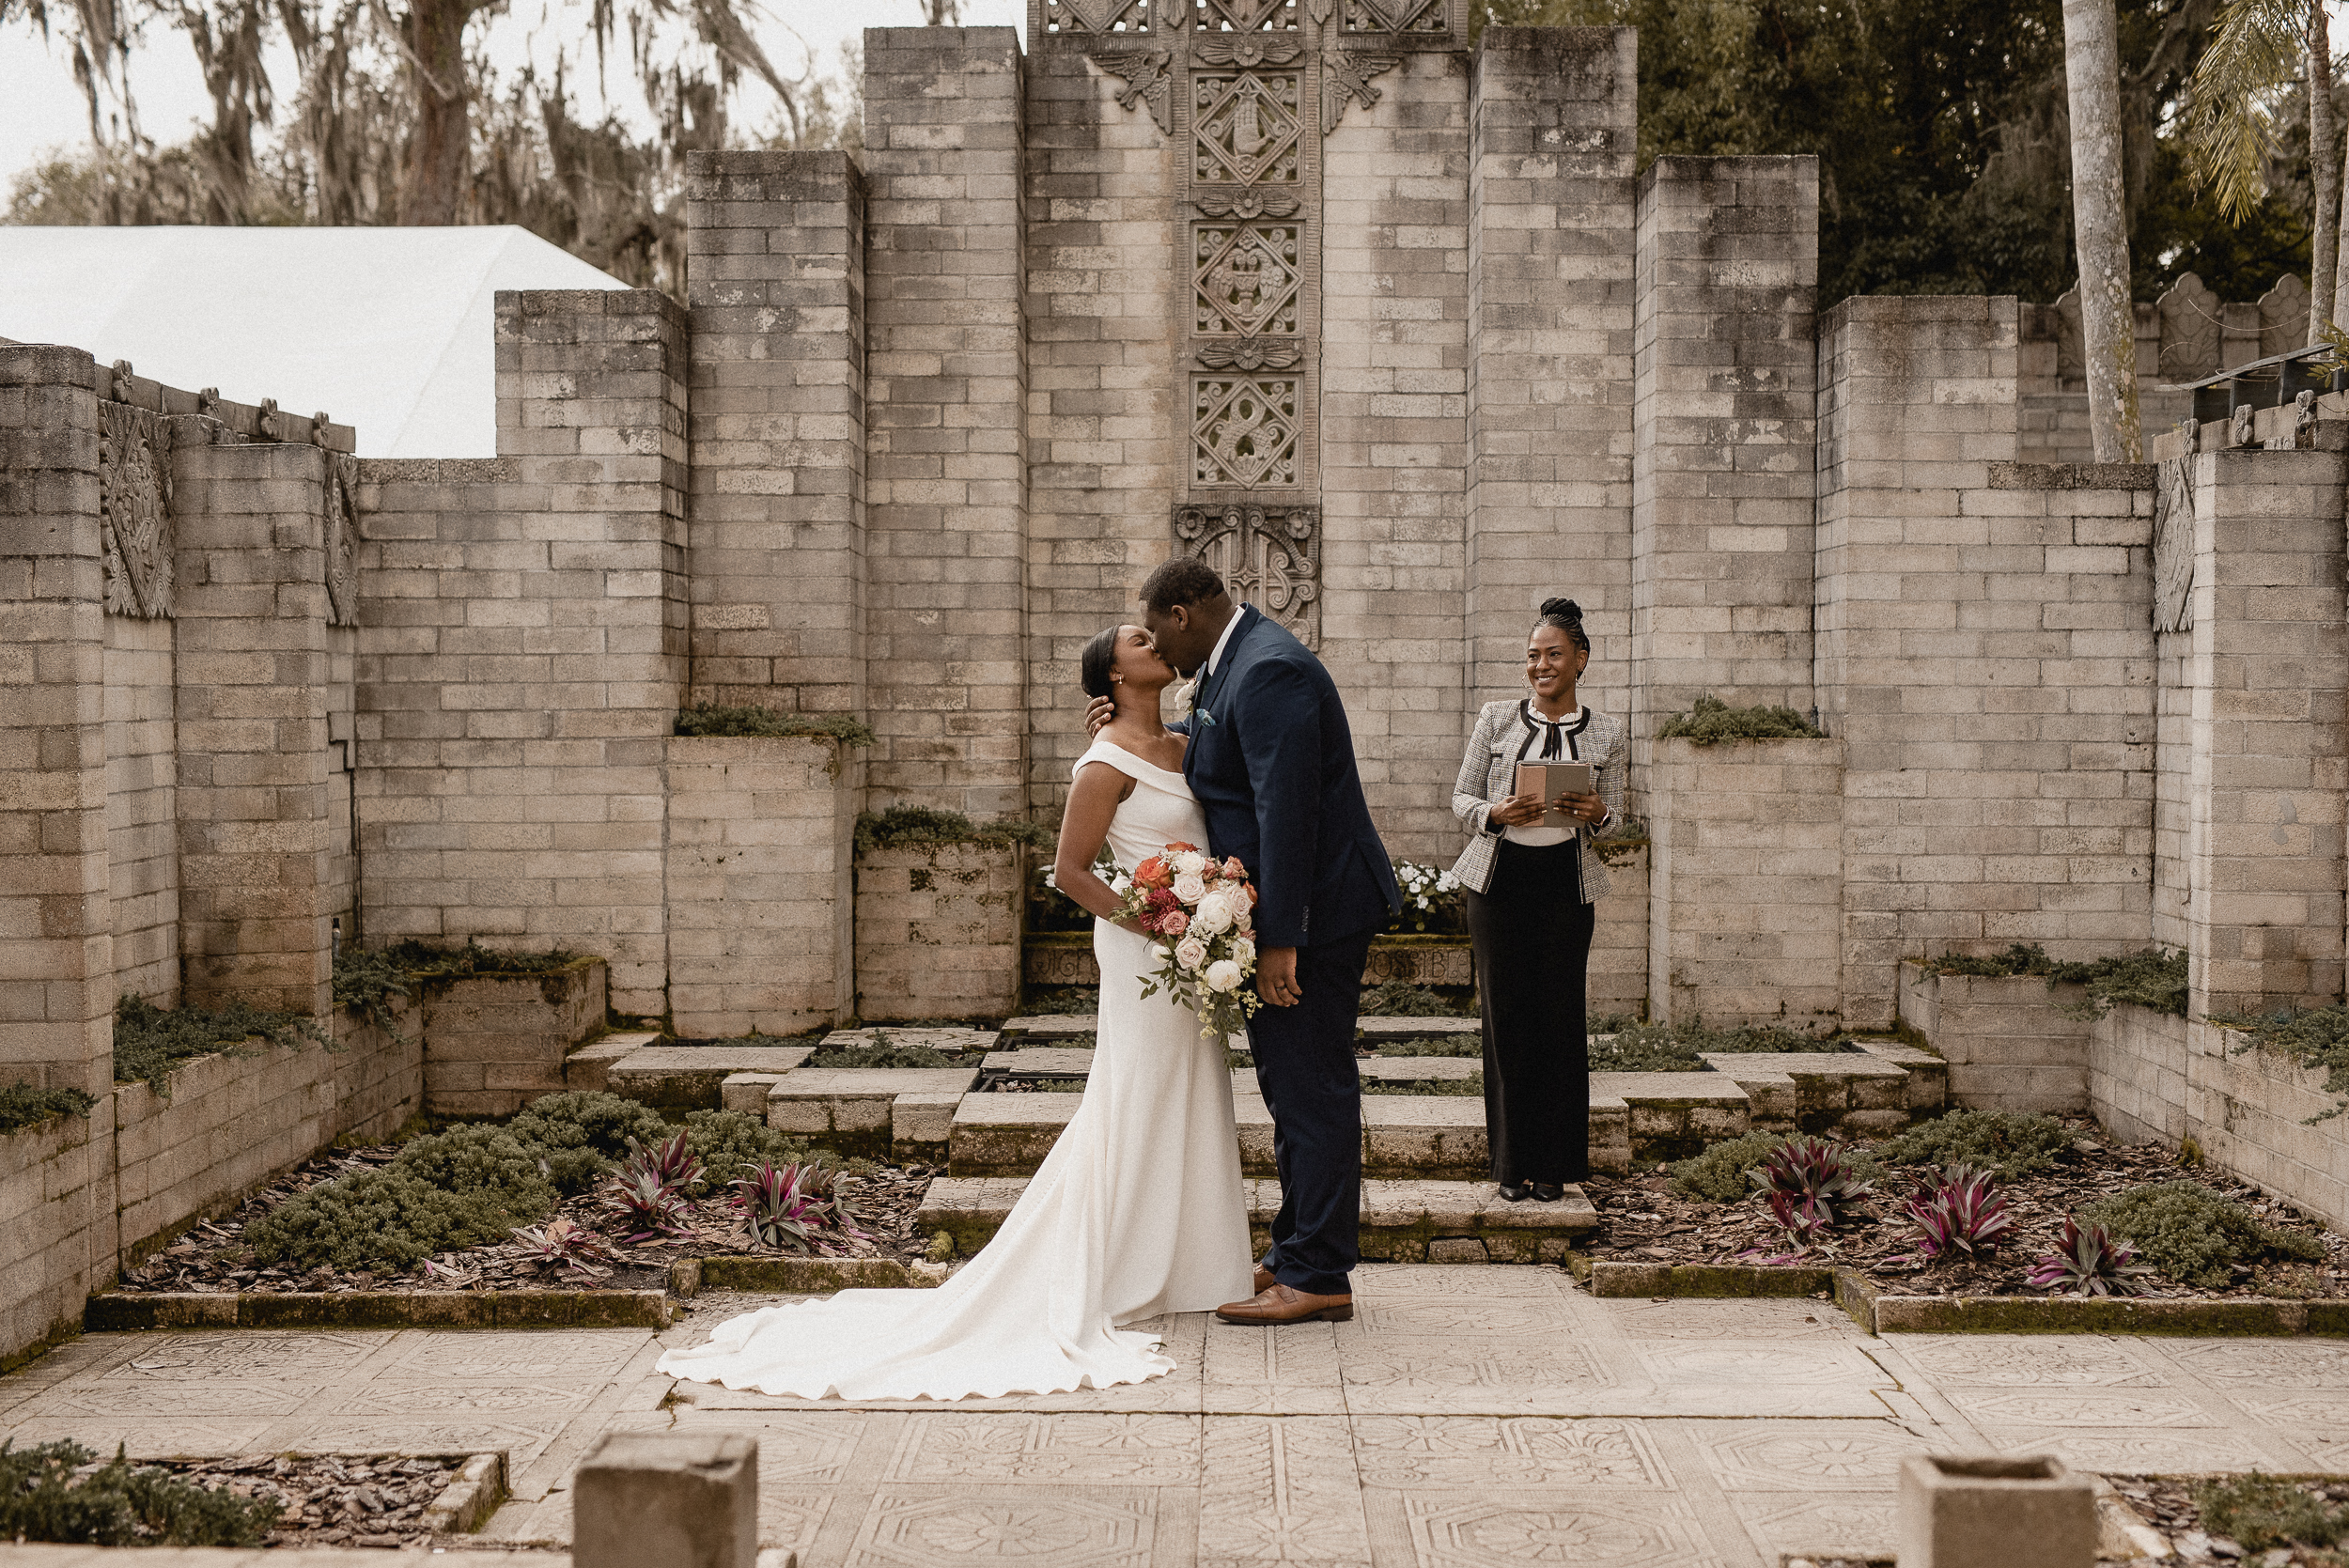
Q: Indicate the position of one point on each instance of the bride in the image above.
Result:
(1137, 1211)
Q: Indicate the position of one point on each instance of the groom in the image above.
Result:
(1271, 761)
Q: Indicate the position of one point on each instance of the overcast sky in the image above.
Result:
(41, 110)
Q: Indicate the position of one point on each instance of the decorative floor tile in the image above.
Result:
(203, 1397)
(522, 1441)
(1281, 1490)
(1825, 1523)
(514, 1355)
(1584, 1530)
(1117, 1450)
(246, 1357)
(2130, 1452)
(437, 1399)
(1421, 1281)
(1750, 1362)
(1467, 1361)
(2293, 1409)
(2075, 1407)
(2294, 1364)
(1682, 1319)
(194, 1438)
(1800, 1456)
(2026, 1360)
(1510, 1318)
(1470, 1450)
(1292, 1370)
(1048, 1528)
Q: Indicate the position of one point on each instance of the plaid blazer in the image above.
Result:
(1488, 771)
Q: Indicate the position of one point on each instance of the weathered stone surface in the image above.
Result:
(850, 1108)
(1423, 1135)
(1007, 1135)
(649, 1499)
(693, 1078)
(2013, 1511)
(1040, 1062)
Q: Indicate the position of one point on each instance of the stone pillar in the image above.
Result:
(1549, 244)
(775, 284)
(1726, 423)
(57, 948)
(258, 889)
(2269, 669)
(946, 467)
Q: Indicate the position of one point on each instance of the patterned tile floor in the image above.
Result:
(1469, 1415)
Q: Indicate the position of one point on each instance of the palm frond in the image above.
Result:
(2255, 50)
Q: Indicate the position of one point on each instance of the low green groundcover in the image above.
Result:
(58, 1492)
(2006, 1144)
(476, 1182)
(23, 1105)
(1712, 719)
(901, 827)
(1472, 1084)
(2193, 1234)
(1653, 1048)
(722, 718)
(2261, 1513)
(2314, 1037)
(1398, 999)
(882, 1053)
(150, 1040)
(2150, 977)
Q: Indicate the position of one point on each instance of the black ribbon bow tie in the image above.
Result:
(1553, 743)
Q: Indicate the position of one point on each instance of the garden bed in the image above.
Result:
(1686, 1243)
(215, 1258)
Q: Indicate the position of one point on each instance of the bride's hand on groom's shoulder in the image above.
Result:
(1097, 714)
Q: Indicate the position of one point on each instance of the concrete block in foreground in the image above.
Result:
(2013, 1511)
(667, 1499)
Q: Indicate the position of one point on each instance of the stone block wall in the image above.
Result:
(2008, 1041)
(760, 883)
(492, 1043)
(142, 814)
(1618, 973)
(938, 931)
(1746, 882)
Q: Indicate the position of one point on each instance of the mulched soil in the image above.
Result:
(212, 1256)
(1645, 1219)
(2166, 1503)
(333, 1501)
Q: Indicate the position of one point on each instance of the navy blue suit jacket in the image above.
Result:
(1271, 760)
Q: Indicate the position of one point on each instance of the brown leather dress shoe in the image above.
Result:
(1264, 1281)
(1281, 1304)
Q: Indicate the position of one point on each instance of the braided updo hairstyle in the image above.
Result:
(1566, 616)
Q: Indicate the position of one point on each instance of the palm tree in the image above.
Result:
(2257, 49)
(2091, 69)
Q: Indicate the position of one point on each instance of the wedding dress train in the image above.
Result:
(1137, 1211)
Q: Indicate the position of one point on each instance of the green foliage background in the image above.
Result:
(1941, 130)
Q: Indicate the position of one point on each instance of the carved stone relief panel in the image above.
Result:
(1098, 16)
(342, 539)
(1423, 17)
(1245, 128)
(1246, 16)
(1269, 555)
(1245, 277)
(1149, 80)
(2284, 316)
(1245, 430)
(2189, 329)
(134, 509)
(2174, 546)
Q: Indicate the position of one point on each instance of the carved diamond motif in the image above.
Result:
(1096, 16)
(1246, 16)
(1244, 431)
(1245, 277)
(1394, 16)
(1244, 129)
(134, 509)
(1269, 556)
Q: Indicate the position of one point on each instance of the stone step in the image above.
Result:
(1401, 1222)
(692, 1078)
(952, 1041)
(589, 1066)
(854, 1110)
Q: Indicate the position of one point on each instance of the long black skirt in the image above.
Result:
(1532, 936)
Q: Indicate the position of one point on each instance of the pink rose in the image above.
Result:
(1176, 924)
(1233, 868)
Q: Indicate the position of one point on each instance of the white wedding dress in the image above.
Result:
(1137, 1211)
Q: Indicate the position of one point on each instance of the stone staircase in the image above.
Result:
(988, 1121)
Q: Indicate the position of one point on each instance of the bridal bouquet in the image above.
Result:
(1202, 911)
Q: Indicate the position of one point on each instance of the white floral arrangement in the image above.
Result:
(1202, 912)
(1425, 889)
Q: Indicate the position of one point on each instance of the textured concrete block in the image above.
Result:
(664, 1500)
(2012, 1511)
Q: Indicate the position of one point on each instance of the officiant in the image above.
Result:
(1534, 878)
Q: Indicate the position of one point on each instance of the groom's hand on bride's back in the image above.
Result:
(1097, 714)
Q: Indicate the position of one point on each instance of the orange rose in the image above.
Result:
(1153, 873)
(1178, 845)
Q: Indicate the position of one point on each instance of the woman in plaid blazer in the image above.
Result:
(1532, 896)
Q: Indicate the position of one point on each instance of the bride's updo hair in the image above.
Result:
(1096, 664)
(1566, 616)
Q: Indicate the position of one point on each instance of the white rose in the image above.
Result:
(1162, 953)
(1190, 862)
(1191, 952)
(1243, 953)
(1189, 888)
(1121, 884)
(1213, 917)
(1222, 976)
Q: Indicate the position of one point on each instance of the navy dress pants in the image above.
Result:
(1305, 1067)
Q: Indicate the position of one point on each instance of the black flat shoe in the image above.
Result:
(1515, 1192)
(1547, 1192)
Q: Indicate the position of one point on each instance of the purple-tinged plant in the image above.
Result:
(1801, 1225)
(674, 1164)
(1815, 1173)
(562, 1245)
(782, 1204)
(1958, 1210)
(2089, 1262)
(647, 1209)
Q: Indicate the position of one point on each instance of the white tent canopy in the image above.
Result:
(389, 329)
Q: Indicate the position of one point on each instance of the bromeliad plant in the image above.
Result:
(647, 1192)
(1957, 1210)
(1813, 1174)
(2088, 1261)
(783, 1204)
(566, 1248)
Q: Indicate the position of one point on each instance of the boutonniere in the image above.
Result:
(1178, 701)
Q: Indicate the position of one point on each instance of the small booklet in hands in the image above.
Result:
(1550, 779)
